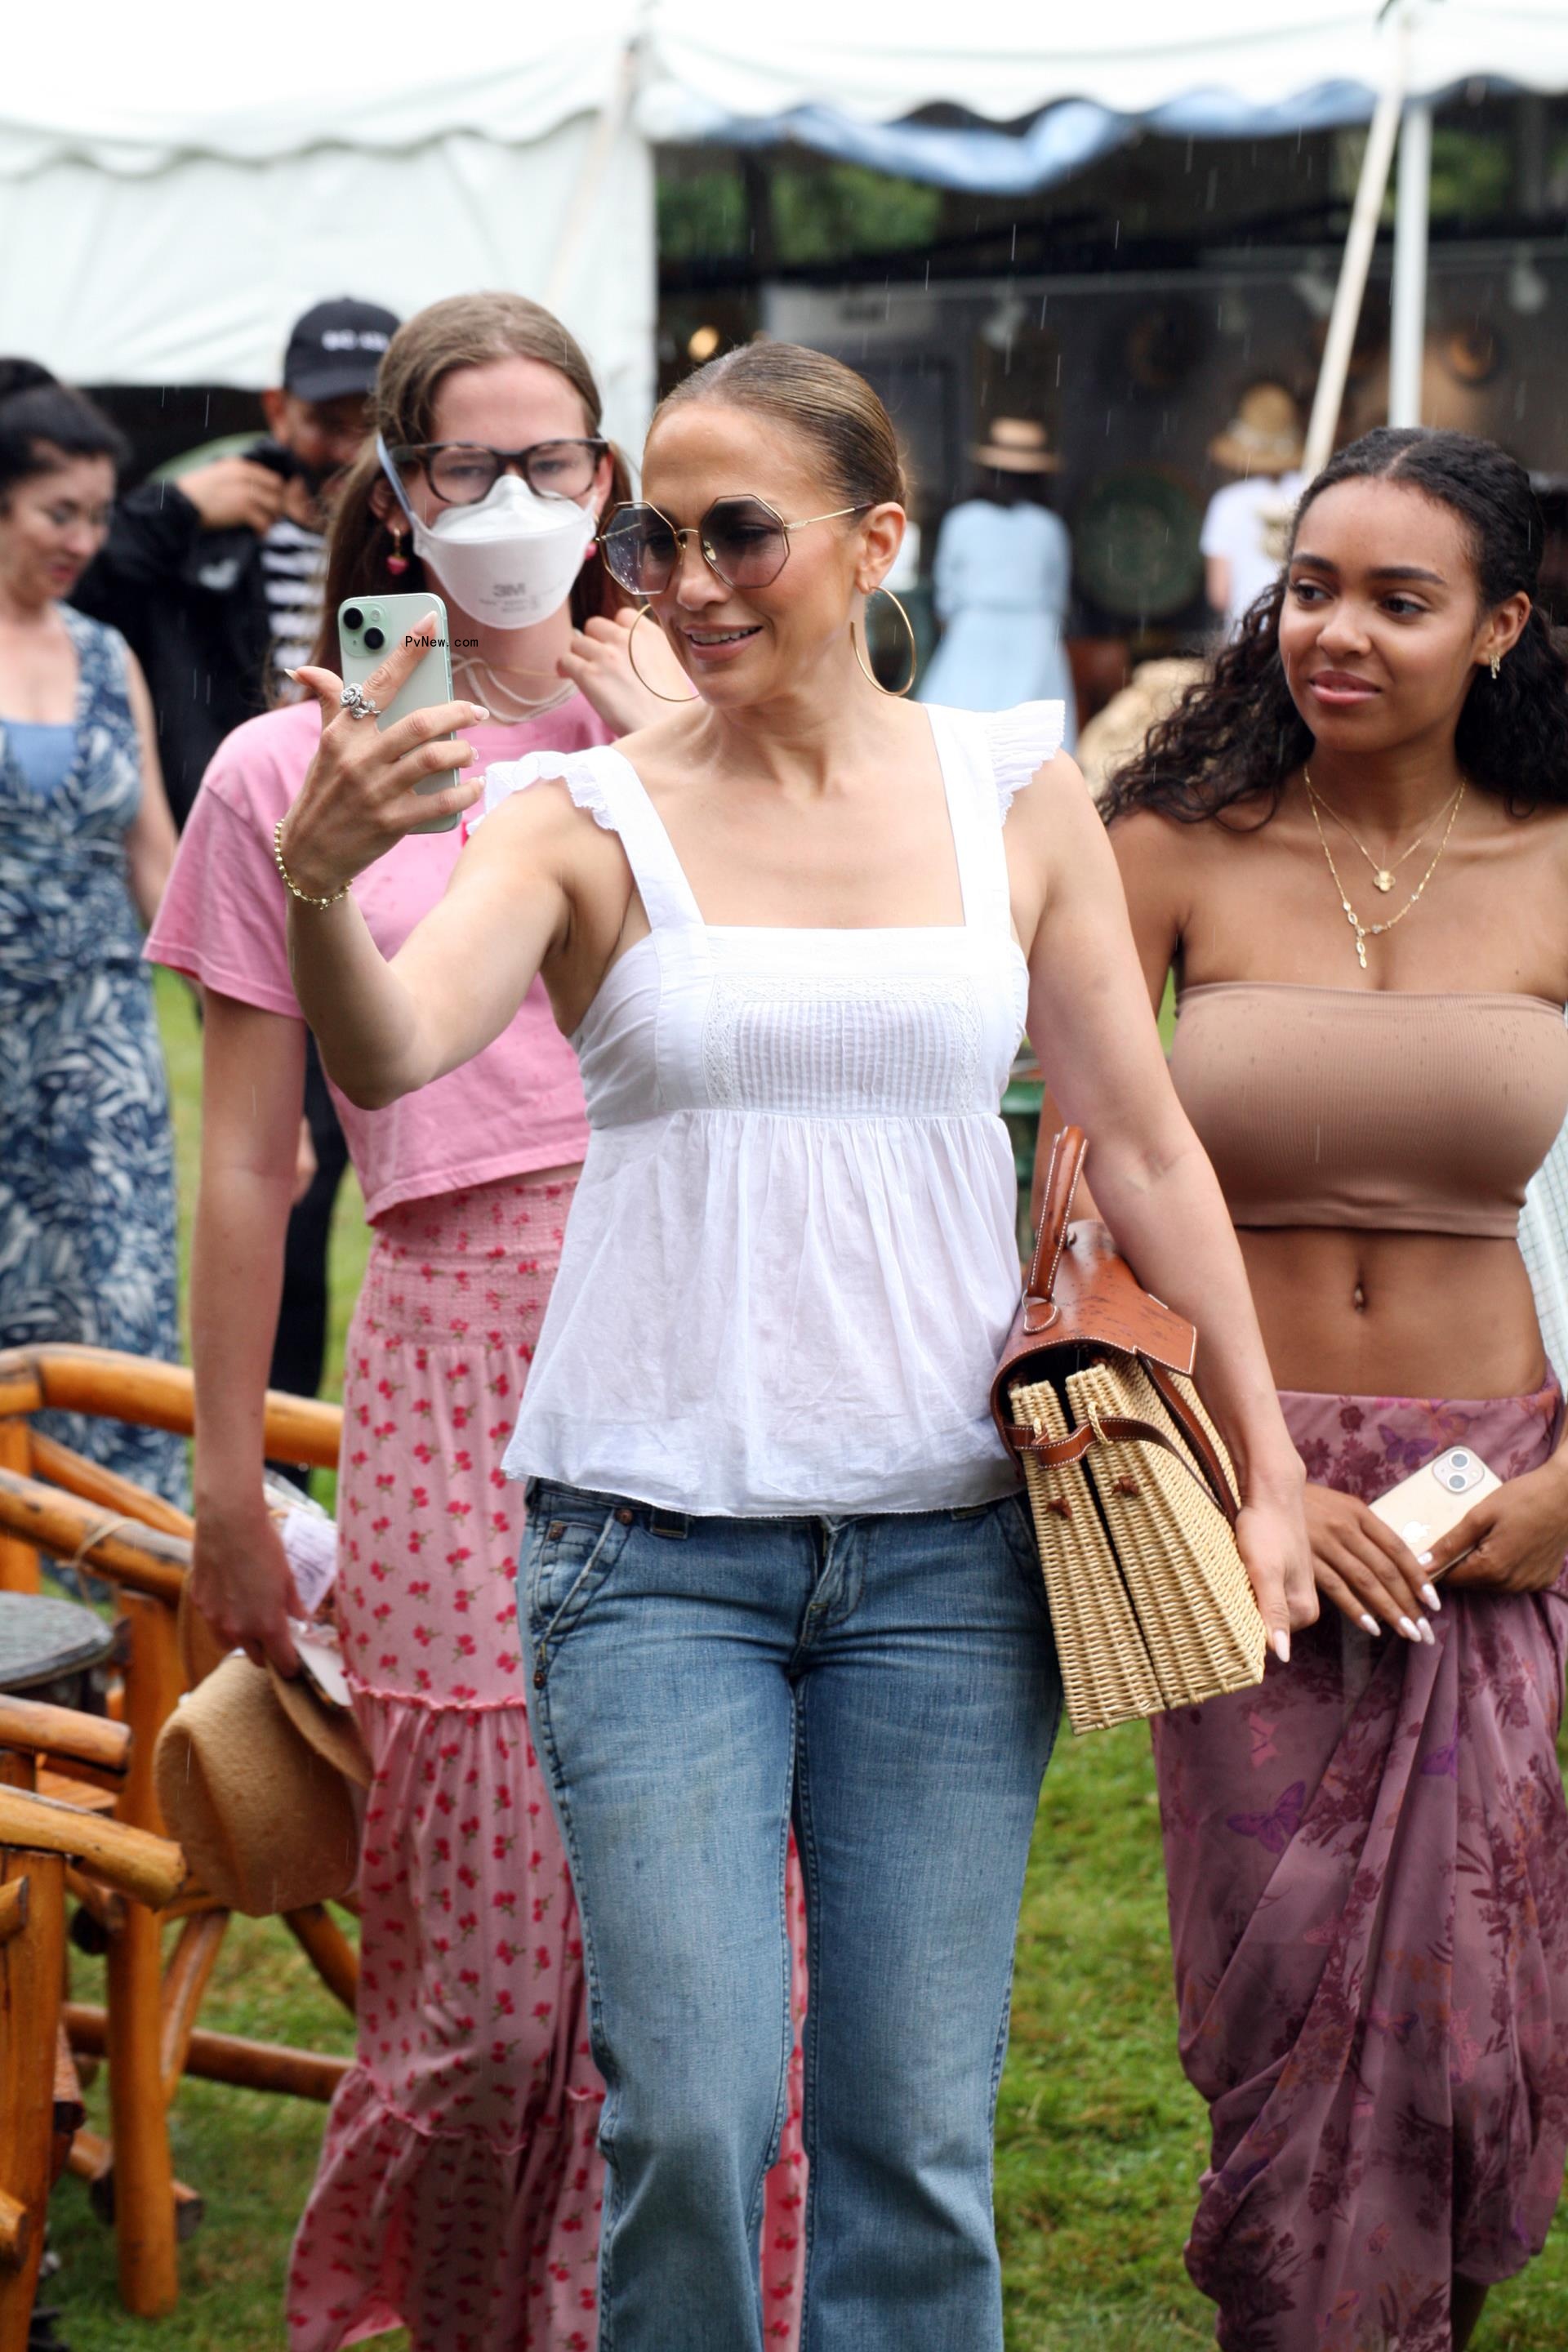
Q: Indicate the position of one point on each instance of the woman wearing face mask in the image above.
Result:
(776, 1560)
(86, 1172)
(459, 2190)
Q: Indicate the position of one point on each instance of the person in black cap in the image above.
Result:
(215, 580)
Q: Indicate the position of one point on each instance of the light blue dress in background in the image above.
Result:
(1001, 581)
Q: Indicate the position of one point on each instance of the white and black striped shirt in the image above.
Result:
(291, 570)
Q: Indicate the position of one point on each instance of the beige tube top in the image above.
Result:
(1372, 1108)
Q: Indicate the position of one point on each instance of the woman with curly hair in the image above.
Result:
(1350, 847)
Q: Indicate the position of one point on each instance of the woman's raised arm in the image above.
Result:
(386, 1028)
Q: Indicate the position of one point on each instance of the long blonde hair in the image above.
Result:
(463, 330)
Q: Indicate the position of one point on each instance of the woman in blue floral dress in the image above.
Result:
(86, 1176)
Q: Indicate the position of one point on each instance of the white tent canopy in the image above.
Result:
(880, 60)
(175, 185)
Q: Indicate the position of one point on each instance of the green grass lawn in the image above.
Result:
(1100, 2143)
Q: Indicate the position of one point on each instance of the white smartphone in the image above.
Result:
(369, 627)
(1435, 1498)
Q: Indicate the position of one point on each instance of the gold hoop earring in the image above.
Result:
(1496, 665)
(642, 614)
(892, 691)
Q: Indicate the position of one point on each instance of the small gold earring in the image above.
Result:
(1497, 664)
(637, 673)
(894, 691)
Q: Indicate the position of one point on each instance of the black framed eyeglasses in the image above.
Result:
(744, 541)
(464, 472)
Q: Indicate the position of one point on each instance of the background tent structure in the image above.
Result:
(176, 184)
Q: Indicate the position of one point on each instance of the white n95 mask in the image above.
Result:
(508, 561)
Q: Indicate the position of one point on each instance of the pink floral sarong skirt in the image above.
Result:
(1368, 1869)
(458, 2193)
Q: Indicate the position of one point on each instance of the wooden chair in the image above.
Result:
(46, 1845)
(53, 1500)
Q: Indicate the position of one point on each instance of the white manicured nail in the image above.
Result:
(1282, 1645)
(1429, 1595)
(1427, 1635)
(1370, 1623)
(1408, 1630)
(1423, 1560)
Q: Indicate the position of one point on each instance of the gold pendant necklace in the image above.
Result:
(1381, 876)
(1364, 931)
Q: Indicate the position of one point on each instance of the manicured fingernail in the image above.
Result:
(1423, 1560)
(1371, 1624)
(1427, 1635)
(478, 710)
(1429, 1595)
(1282, 1645)
(290, 675)
(1408, 1630)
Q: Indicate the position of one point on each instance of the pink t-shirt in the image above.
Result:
(517, 1106)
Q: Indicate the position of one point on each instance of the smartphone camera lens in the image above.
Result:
(353, 617)
(1460, 1461)
(374, 639)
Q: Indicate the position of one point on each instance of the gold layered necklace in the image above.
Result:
(1382, 876)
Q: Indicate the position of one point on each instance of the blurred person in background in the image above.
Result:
(86, 1172)
(459, 2188)
(215, 580)
(1247, 527)
(1001, 579)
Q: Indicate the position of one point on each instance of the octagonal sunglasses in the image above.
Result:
(742, 539)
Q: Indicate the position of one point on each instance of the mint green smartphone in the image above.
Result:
(368, 629)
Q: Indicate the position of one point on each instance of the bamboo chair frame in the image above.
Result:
(53, 1500)
(40, 1841)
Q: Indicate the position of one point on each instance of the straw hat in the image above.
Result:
(1017, 445)
(255, 1776)
(1263, 437)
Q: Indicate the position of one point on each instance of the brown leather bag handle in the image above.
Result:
(1067, 1154)
(1121, 1429)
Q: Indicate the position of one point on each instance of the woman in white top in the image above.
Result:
(776, 1559)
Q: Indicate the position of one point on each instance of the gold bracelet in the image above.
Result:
(288, 882)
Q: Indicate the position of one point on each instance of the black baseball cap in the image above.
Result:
(336, 349)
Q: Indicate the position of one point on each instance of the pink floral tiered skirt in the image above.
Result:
(459, 2186)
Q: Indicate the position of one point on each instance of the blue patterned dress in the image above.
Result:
(87, 1162)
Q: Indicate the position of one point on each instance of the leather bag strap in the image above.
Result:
(1067, 1154)
(1195, 1435)
(1121, 1429)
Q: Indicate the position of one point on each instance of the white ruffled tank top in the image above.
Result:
(791, 1262)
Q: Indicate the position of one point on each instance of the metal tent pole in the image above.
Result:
(1413, 203)
(1348, 293)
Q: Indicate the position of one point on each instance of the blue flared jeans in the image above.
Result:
(890, 1683)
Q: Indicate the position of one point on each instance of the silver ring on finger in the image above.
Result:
(358, 704)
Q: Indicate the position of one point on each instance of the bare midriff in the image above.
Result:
(1413, 1315)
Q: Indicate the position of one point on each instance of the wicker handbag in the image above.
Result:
(1133, 1492)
